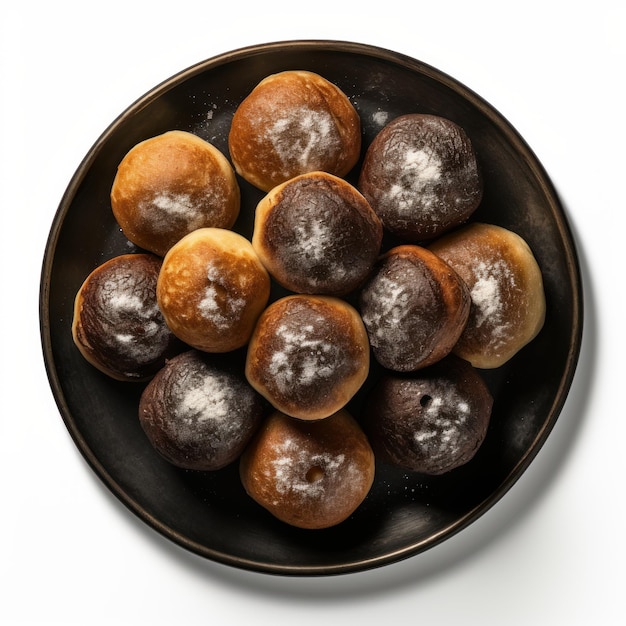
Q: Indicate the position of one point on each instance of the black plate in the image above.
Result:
(404, 514)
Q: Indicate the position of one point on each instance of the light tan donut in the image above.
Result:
(308, 355)
(212, 288)
(309, 474)
(170, 185)
(506, 287)
(291, 123)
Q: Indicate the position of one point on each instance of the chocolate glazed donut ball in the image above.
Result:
(415, 307)
(432, 421)
(421, 176)
(291, 123)
(117, 324)
(308, 355)
(309, 474)
(199, 412)
(317, 234)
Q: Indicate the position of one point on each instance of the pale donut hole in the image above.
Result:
(212, 288)
(506, 287)
(170, 185)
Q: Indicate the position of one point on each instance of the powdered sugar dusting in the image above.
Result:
(315, 248)
(209, 407)
(313, 237)
(491, 281)
(167, 206)
(304, 137)
(419, 171)
(380, 118)
(123, 301)
(217, 305)
(174, 204)
(291, 469)
(443, 432)
(384, 321)
(210, 400)
(292, 464)
(125, 308)
(303, 358)
(199, 413)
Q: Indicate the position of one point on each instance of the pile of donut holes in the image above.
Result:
(446, 299)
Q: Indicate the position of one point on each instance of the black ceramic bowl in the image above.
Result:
(209, 514)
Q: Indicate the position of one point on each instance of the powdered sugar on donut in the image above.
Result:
(165, 207)
(209, 405)
(316, 245)
(310, 475)
(385, 321)
(488, 292)
(397, 309)
(421, 176)
(199, 413)
(443, 431)
(305, 136)
(416, 171)
(150, 334)
(217, 304)
(211, 400)
(313, 238)
(304, 358)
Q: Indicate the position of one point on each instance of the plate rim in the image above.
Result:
(571, 261)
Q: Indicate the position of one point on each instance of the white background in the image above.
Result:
(551, 552)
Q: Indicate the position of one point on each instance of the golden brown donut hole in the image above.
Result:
(212, 288)
(309, 474)
(169, 185)
(291, 123)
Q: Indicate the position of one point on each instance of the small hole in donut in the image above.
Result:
(425, 400)
(314, 474)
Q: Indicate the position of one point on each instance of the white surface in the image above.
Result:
(551, 552)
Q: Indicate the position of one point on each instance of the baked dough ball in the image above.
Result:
(291, 123)
(308, 355)
(421, 176)
(199, 412)
(117, 324)
(170, 185)
(212, 288)
(309, 474)
(430, 422)
(508, 300)
(317, 234)
(414, 307)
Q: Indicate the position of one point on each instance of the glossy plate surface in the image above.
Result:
(404, 514)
